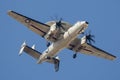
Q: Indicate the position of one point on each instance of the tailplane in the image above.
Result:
(30, 51)
(35, 54)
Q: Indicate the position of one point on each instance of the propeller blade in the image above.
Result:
(90, 37)
(59, 24)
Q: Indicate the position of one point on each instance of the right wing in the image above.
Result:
(80, 45)
(37, 27)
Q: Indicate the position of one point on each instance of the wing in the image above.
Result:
(81, 46)
(35, 26)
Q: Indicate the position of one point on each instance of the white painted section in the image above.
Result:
(22, 48)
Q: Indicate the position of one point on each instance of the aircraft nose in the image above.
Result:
(86, 22)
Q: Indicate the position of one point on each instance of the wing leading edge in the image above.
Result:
(35, 26)
(80, 45)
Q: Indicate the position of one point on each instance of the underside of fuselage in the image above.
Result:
(62, 43)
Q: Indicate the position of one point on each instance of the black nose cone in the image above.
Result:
(87, 22)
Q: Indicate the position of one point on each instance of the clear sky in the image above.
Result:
(104, 22)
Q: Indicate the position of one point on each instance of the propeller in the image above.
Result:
(89, 38)
(59, 24)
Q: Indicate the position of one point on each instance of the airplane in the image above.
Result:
(59, 35)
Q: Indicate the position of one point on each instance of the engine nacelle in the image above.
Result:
(54, 32)
(83, 40)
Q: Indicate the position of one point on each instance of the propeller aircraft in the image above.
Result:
(59, 35)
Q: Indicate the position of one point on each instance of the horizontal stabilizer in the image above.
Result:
(30, 51)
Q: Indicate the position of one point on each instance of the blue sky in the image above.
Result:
(104, 22)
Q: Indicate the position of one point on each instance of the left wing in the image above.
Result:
(81, 46)
(35, 26)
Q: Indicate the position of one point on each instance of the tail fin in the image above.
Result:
(56, 64)
(22, 48)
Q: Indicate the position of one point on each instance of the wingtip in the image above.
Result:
(9, 11)
(114, 58)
